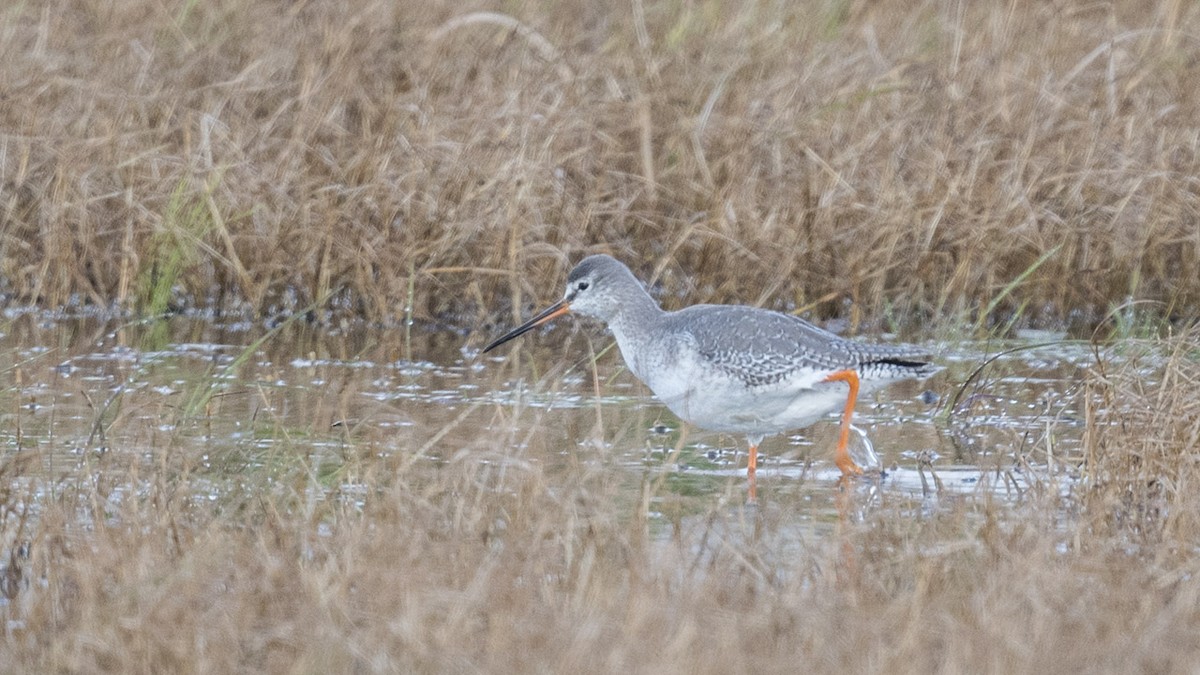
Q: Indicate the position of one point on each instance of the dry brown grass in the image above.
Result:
(1143, 440)
(909, 159)
(487, 562)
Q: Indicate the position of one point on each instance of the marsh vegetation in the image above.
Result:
(249, 252)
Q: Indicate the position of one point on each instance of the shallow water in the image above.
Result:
(85, 394)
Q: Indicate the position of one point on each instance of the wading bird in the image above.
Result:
(732, 368)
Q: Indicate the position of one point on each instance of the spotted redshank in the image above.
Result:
(732, 368)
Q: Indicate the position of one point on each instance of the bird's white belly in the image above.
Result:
(713, 400)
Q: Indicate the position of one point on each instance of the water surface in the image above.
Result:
(83, 395)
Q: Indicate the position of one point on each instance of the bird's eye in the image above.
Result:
(581, 286)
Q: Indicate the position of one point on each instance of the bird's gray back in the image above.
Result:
(762, 347)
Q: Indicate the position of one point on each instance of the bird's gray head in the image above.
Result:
(599, 286)
(596, 285)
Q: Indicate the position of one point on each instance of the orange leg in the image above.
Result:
(841, 456)
(751, 468)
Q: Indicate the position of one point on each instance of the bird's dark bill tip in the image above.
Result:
(553, 311)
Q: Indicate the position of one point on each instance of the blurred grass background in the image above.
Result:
(887, 162)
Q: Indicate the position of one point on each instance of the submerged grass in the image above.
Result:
(442, 163)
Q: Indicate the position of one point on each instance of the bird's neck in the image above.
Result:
(638, 312)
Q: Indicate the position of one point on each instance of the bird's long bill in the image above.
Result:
(556, 310)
